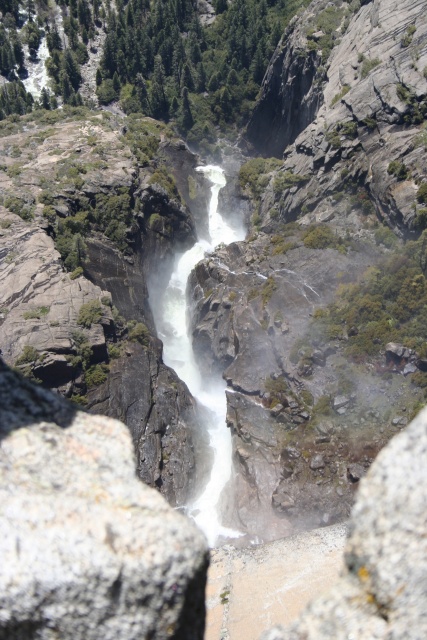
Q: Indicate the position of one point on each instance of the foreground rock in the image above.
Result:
(88, 552)
(383, 590)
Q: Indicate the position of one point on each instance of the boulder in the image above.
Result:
(396, 351)
(383, 587)
(88, 551)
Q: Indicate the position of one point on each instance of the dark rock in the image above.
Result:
(396, 351)
(355, 472)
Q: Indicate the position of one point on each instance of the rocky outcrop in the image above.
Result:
(88, 551)
(60, 187)
(382, 591)
(365, 131)
(295, 467)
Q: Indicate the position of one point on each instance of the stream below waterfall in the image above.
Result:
(170, 315)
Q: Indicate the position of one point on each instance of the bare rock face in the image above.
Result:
(289, 98)
(88, 551)
(382, 591)
(362, 107)
(40, 303)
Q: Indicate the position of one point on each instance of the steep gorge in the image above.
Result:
(343, 98)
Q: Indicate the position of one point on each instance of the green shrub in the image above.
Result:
(385, 236)
(422, 193)
(319, 237)
(323, 407)
(140, 333)
(268, 289)
(408, 36)
(398, 169)
(89, 313)
(421, 219)
(36, 314)
(79, 399)
(368, 65)
(96, 375)
(254, 174)
(28, 356)
(106, 92)
(371, 123)
(286, 180)
(19, 207)
(114, 351)
(340, 95)
(76, 273)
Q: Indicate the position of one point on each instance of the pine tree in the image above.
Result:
(187, 78)
(116, 82)
(98, 77)
(71, 70)
(45, 99)
(159, 101)
(186, 118)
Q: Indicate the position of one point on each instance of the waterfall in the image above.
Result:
(170, 315)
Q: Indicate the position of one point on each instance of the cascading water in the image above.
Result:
(171, 321)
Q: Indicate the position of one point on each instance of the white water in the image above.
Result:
(37, 73)
(171, 321)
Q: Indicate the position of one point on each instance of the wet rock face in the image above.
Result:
(134, 567)
(250, 308)
(381, 592)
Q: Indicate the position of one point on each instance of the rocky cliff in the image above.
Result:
(102, 192)
(344, 101)
(363, 107)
